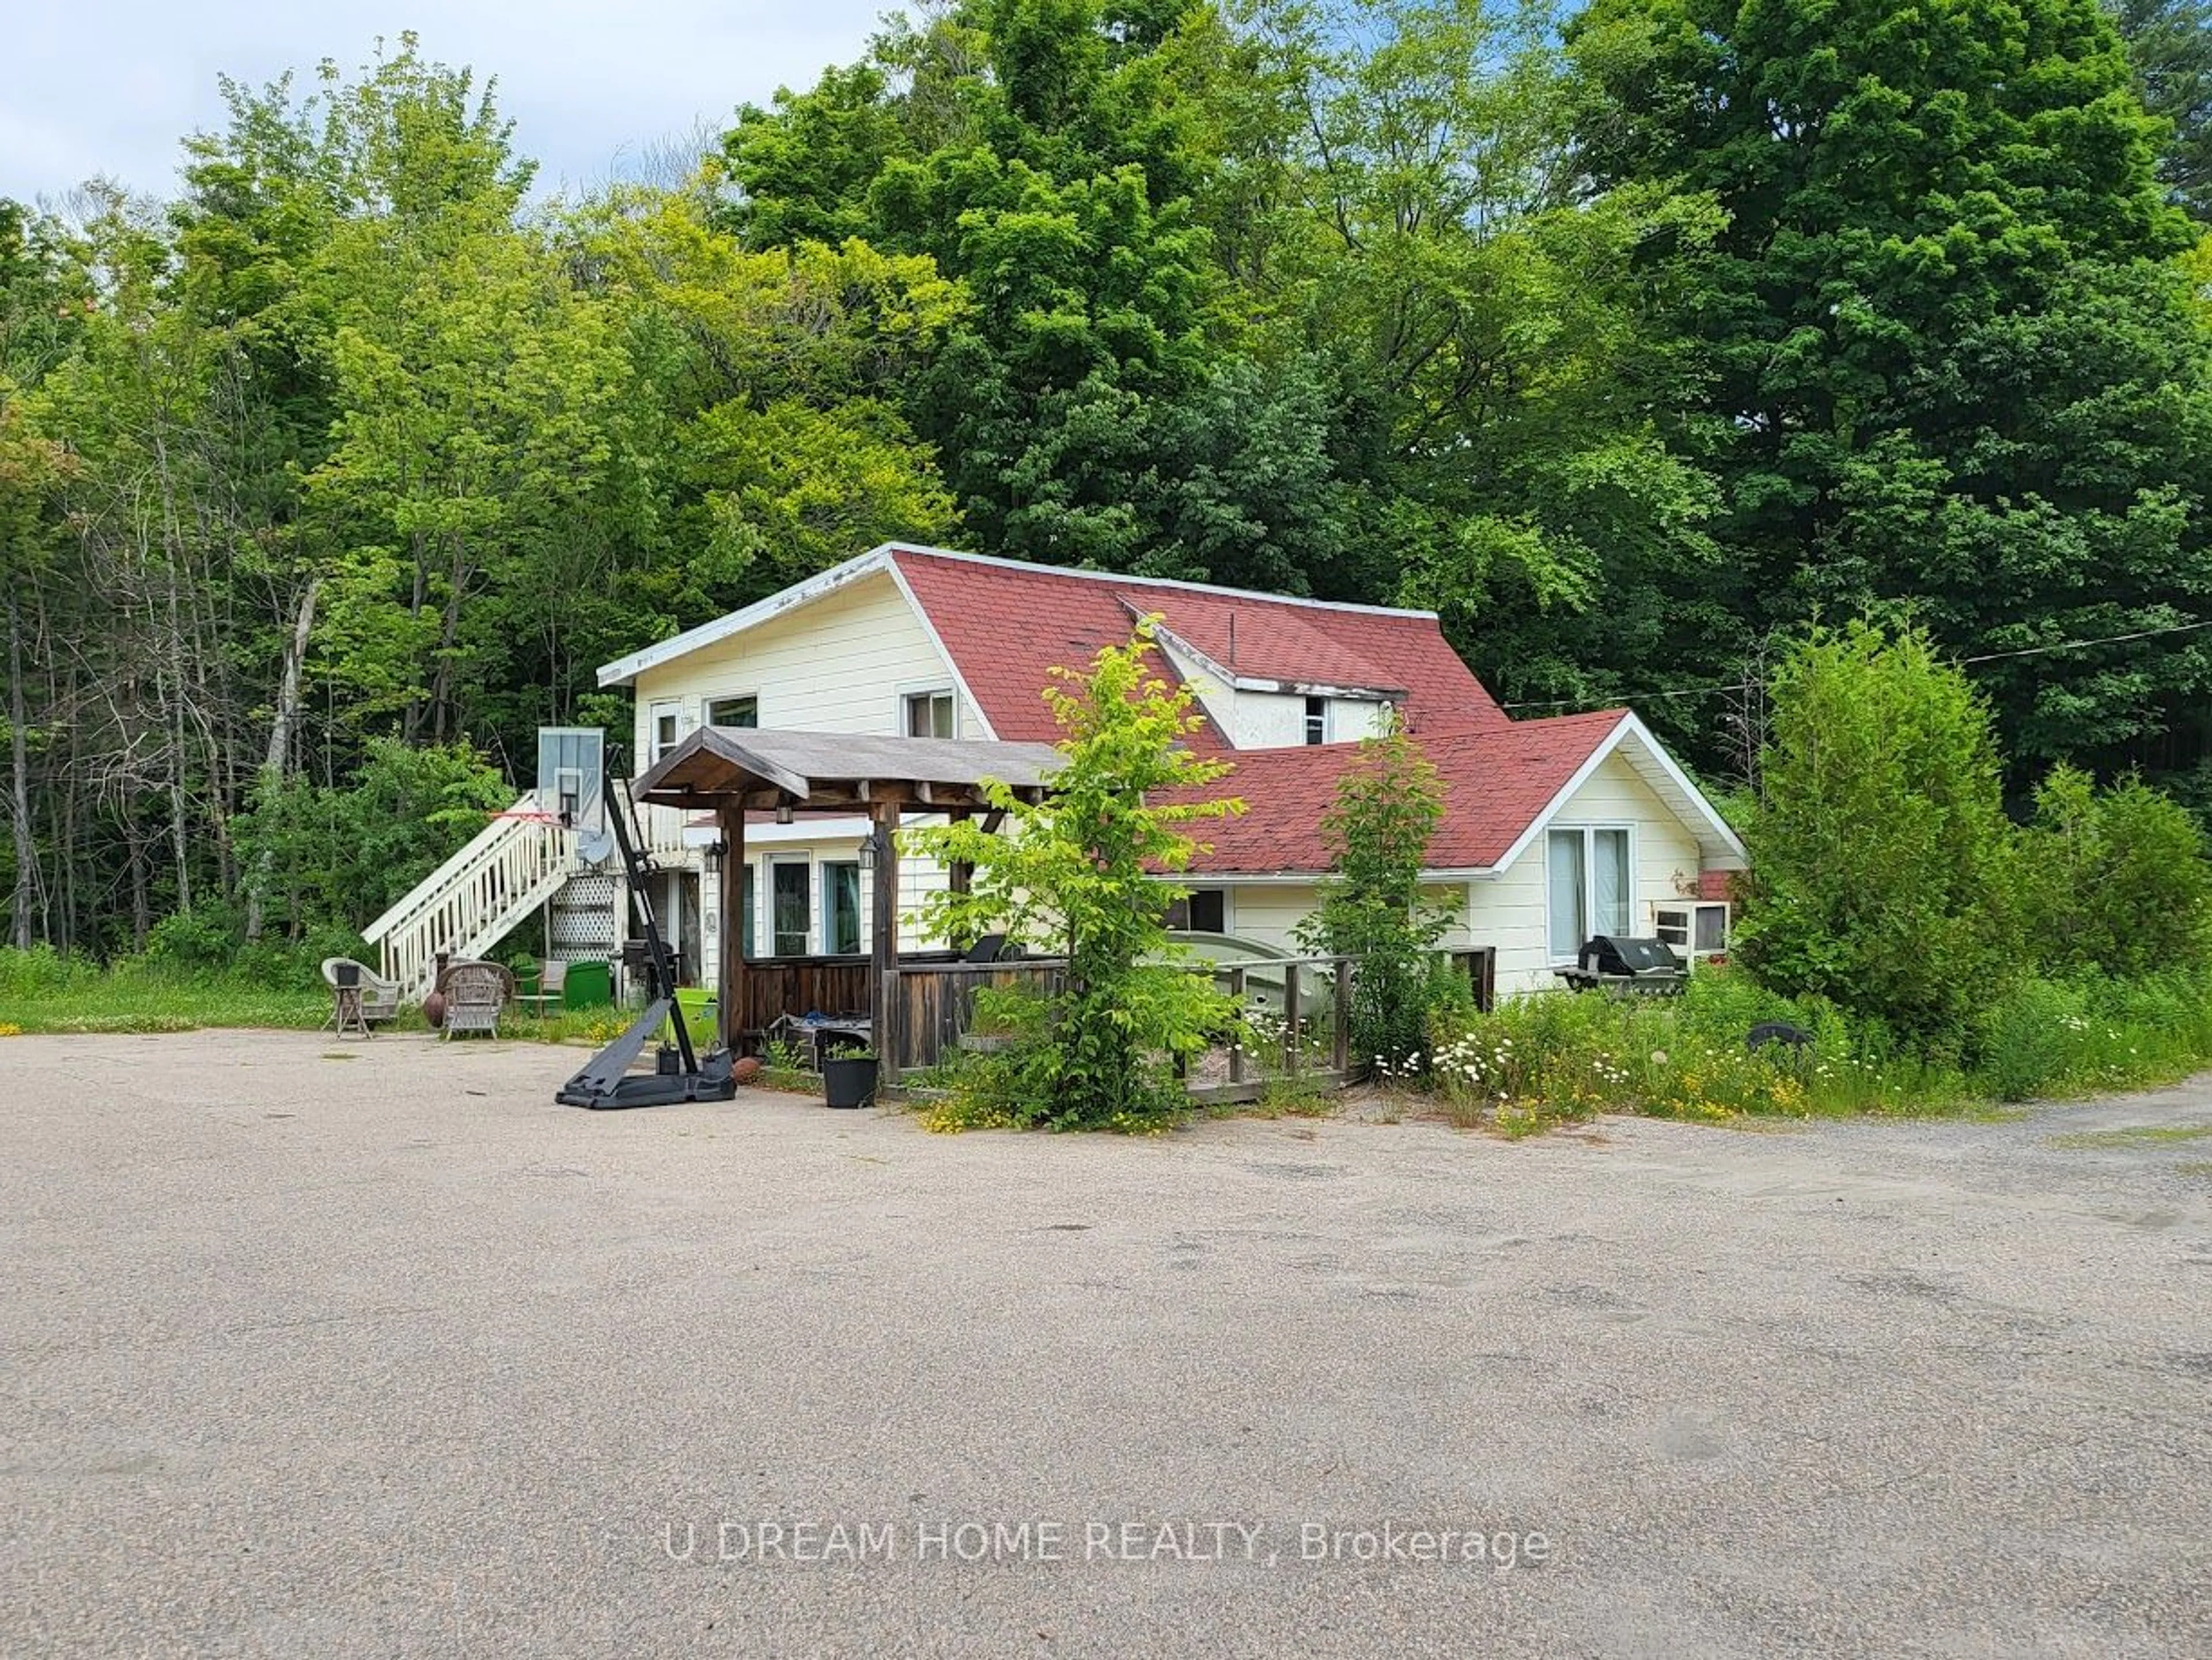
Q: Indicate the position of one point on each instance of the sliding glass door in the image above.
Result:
(1589, 887)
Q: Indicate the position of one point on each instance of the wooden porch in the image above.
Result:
(730, 771)
(912, 1009)
(1301, 1006)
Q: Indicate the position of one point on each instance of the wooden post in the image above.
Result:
(1236, 1047)
(1291, 1046)
(731, 981)
(883, 946)
(1344, 1017)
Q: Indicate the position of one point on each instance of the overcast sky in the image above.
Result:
(110, 86)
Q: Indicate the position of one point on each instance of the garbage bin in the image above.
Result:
(589, 986)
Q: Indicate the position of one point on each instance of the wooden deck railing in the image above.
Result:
(937, 1000)
(1303, 1004)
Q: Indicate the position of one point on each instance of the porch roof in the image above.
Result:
(840, 771)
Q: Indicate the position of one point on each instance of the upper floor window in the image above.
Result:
(929, 714)
(1317, 719)
(734, 711)
(666, 727)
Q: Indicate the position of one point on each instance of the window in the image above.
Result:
(745, 945)
(569, 796)
(665, 728)
(1589, 887)
(841, 907)
(1205, 910)
(929, 714)
(790, 882)
(1693, 929)
(734, 711)
(1317, 719)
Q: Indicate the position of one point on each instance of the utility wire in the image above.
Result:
(1985, 657)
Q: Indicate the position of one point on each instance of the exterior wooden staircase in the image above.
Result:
(471, 903)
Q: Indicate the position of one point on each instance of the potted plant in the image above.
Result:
(848, 1079)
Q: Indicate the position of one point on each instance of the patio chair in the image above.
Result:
(474, 994)
(552, 988)
(376, 997)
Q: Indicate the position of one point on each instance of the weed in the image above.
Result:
(2133, 1135)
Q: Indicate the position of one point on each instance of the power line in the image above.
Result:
(1985, 657)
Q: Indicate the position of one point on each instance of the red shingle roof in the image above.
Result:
(1007, 625)
(1496, 780)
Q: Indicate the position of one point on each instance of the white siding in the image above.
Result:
(1268, 720)
(1270, 912)
(1510, 908)
(841, 664)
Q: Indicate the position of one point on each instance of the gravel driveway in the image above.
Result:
(310, 1348)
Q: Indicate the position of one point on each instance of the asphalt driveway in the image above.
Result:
(386, 1354)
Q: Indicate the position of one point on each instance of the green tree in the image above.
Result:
(1088, 876)
(341, 855)
(1389, 803)
(778, 373)
(483, 398)
(2171, 44)
(1949, 357)
(1882, 867)
(2117, 880)
(1497, 383)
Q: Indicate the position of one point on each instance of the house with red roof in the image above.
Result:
(1553, 830)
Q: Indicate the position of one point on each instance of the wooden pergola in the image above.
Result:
(730, 771)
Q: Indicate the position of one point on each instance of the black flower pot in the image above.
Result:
(849, 1081)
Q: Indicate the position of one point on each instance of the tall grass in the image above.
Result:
(1551, 1057)
(41, 991)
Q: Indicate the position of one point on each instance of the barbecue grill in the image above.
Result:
(1626, 963)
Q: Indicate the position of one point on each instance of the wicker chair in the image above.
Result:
(379, 998)
(474, 994)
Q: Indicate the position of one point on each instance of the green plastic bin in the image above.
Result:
(702, 1016)
(589, 986)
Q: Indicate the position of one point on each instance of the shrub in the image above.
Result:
(2089, 1032)
(42, 972)
(340, 855)
(193, 944)
(1388, 804)
(1882, 871)
(1078, 876)
(2117, 879)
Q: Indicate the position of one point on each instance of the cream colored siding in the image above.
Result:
(841, 664)
(1270, 912)
(1510, 908)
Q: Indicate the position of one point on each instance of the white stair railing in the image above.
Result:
(464, 907)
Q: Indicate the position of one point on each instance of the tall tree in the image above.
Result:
(2171, 43)
(1951, 358)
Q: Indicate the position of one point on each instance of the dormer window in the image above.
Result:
(929, 714)
(1317, 719)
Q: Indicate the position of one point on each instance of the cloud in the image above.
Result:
(111, 87)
